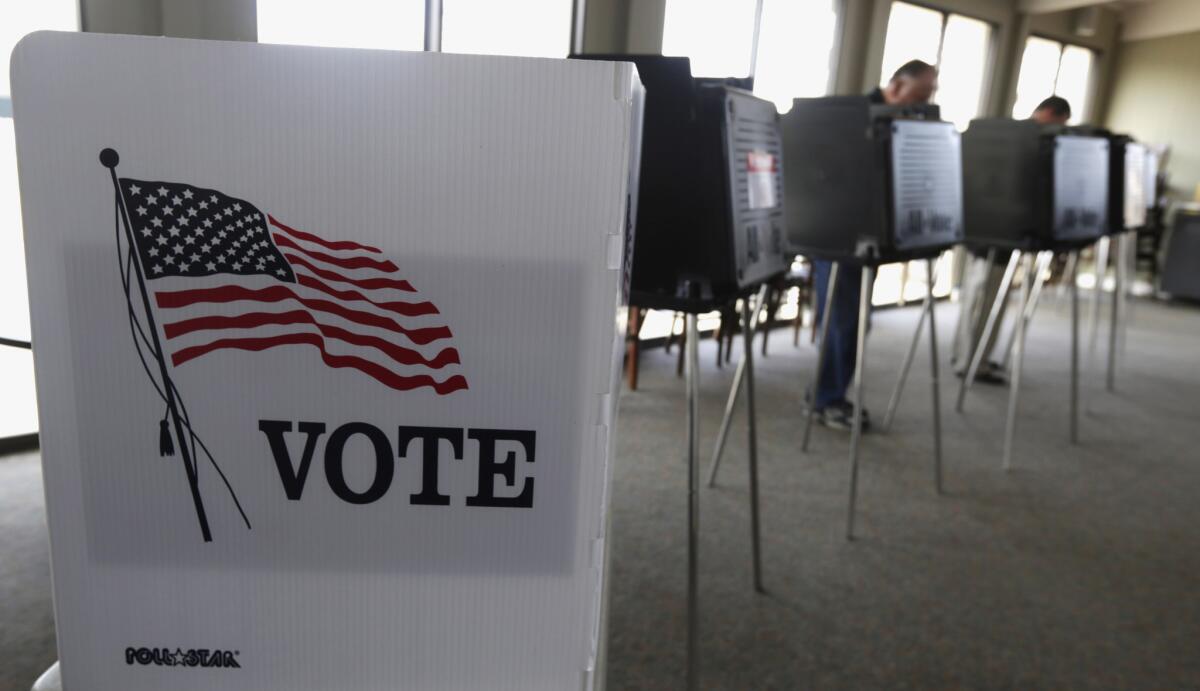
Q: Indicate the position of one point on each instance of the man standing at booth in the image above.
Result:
(914, 83)
(985, 278)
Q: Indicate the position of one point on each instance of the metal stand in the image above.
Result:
(1101, 270)
(978, 348)
(744, 374)
(1018, 366)
(830, 291)
(1019, 361)
(864, 304)
(1039, 281)
(936, 384)
(1116, 325)
(692, 359)
(734, 393)
(926, 311)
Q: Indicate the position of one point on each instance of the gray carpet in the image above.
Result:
(1077, 570)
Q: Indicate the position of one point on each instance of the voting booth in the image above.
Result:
(1032, 191)
(710, 205)
(870, 184)
(1033, 187)
(327, 347)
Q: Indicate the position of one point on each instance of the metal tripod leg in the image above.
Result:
(1074, 288)
(1014, 393)
(691, 346)
(1102, 251)
(926, 309)
(748, 358)
(1117, 312)
(937, 394)
(977, 349)
(968, 298)
(734, 392)
(822, 347)
(1039, 272)
(864, 305)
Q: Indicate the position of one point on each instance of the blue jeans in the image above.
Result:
(841, 346)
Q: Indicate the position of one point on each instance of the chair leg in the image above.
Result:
(632, 347)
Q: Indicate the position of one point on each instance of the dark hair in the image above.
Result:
(913, 69)
(1057, 105)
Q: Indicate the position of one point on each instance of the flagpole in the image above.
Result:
(109, 159)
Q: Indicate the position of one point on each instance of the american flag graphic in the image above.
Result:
(224, 275)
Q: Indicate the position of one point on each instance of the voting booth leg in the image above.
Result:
(734, 392)
(1117, 314)
(1074, 288)
(1014, 393)
(926, 311)
(864, 306)
(978, 348)
(691, 346)
(822, 344)
(937, 394)
(894, 402)
(748, 358)
(1039, 280)
(1102, 250)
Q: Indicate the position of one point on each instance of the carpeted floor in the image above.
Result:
(1080, 569)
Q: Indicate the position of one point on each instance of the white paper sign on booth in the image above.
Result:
(327, 352)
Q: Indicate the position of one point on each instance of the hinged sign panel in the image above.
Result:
(326, 346)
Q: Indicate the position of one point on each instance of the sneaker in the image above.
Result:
(840, 416)
(991, 373)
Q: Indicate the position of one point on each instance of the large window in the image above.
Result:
(960, 47)
(394, 24)
(796, 43)
(18, 409)
(1051, 68)
(537, 28)
(717, 35)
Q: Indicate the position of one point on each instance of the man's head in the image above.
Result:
(1053, 111)
(913, 83)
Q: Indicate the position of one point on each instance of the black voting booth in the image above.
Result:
(710, 198)
(1035, 189)
(710, 229)
(870, 184)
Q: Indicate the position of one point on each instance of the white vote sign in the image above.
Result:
(327, 347)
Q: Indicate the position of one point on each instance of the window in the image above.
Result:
(718, 35)
(537, 28)
(1051, 68)
(394, 24)
(960, 47)
(796, 42)
(18, 409)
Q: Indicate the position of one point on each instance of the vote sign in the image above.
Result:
(327, 345)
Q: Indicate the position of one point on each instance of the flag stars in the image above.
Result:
(190, 240)
(158, 268)
(146, 232)
(162, 191)
(153, 251)
(141, 211)
(281, 272)
(168, 210)
(176, 200)
(161, 240)
(178, 249)
(213, 198)
(194, 257)
(208, 223)
(135, 190)
(187, 194)
(205, 247)
(192, 211)
(174, 231)
(156, 222)
(183, 266)
(184, 220)
(203, 205)
(169, 259)
(237, 266)
(211, 266)
(152, 199)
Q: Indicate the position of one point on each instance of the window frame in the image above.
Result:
(1088, 88)
(989, 65)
